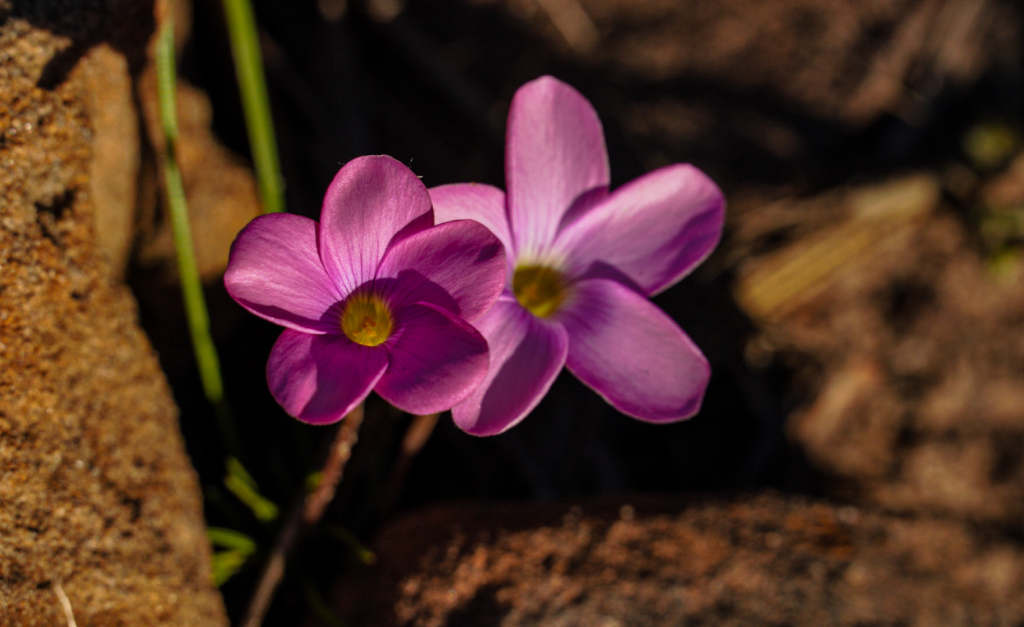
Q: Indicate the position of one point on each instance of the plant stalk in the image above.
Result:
(304, 516)
(245, 49)
(191, 286)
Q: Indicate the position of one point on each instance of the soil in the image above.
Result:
(760, 560)
(98, 500)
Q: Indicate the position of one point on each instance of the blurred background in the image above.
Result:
(864, 315)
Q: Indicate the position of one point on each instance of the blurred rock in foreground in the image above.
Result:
(760, 560)
(97, 497)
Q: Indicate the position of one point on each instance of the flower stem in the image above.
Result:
(416, 436)
(245, 48)
(191, 286)
(304, 516)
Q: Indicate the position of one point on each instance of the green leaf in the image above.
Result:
(230, 539)
(361, 551)
(242, 485)
(319, 607)
(226, 564)
(313, 480)
(990, 144)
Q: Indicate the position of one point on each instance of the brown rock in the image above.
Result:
(905, 340)
(116, 154)
(97, 497)
(220, 189)
(764, 560)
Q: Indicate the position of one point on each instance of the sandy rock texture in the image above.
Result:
(97, 496)
(762, 560)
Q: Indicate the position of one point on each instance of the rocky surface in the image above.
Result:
(764, 560)
(98, 501)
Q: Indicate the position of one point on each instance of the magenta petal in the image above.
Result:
(654, 229)
(474, 201)
(435, 360)
(274, 271)
(554, 154)
(370, 201)
(320, 378)
(632, 354)
(457, 265)
(527, 353)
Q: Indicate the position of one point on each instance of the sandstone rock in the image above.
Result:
(220, 189)
(97, 497)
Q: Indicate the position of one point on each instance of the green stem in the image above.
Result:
(245, 49)
(191, 286)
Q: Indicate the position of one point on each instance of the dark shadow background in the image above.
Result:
(429, 82)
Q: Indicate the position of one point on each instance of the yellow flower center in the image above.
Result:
(540, 289)
(366, 319)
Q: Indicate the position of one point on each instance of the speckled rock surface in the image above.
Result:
(764, 560)
(97, 496)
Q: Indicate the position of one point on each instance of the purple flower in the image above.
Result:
(373, 297)
(581, 264)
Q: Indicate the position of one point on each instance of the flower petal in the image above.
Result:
(631, 353)
(474, 201)
(274, 271)
(320, 378)
(527, 353)
(654, 229)
(370, 201)
(554, 154)
(457, 265)
(435, 360)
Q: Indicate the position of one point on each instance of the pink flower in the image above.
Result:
(373, 297)
(581, 264)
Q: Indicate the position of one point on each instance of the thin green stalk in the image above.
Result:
(191, 286)
(245, 48)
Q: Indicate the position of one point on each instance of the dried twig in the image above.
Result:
(303, 517)
(573, 22)
(65, 604)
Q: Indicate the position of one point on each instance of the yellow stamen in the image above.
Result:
(366, 319)
(540, 289)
